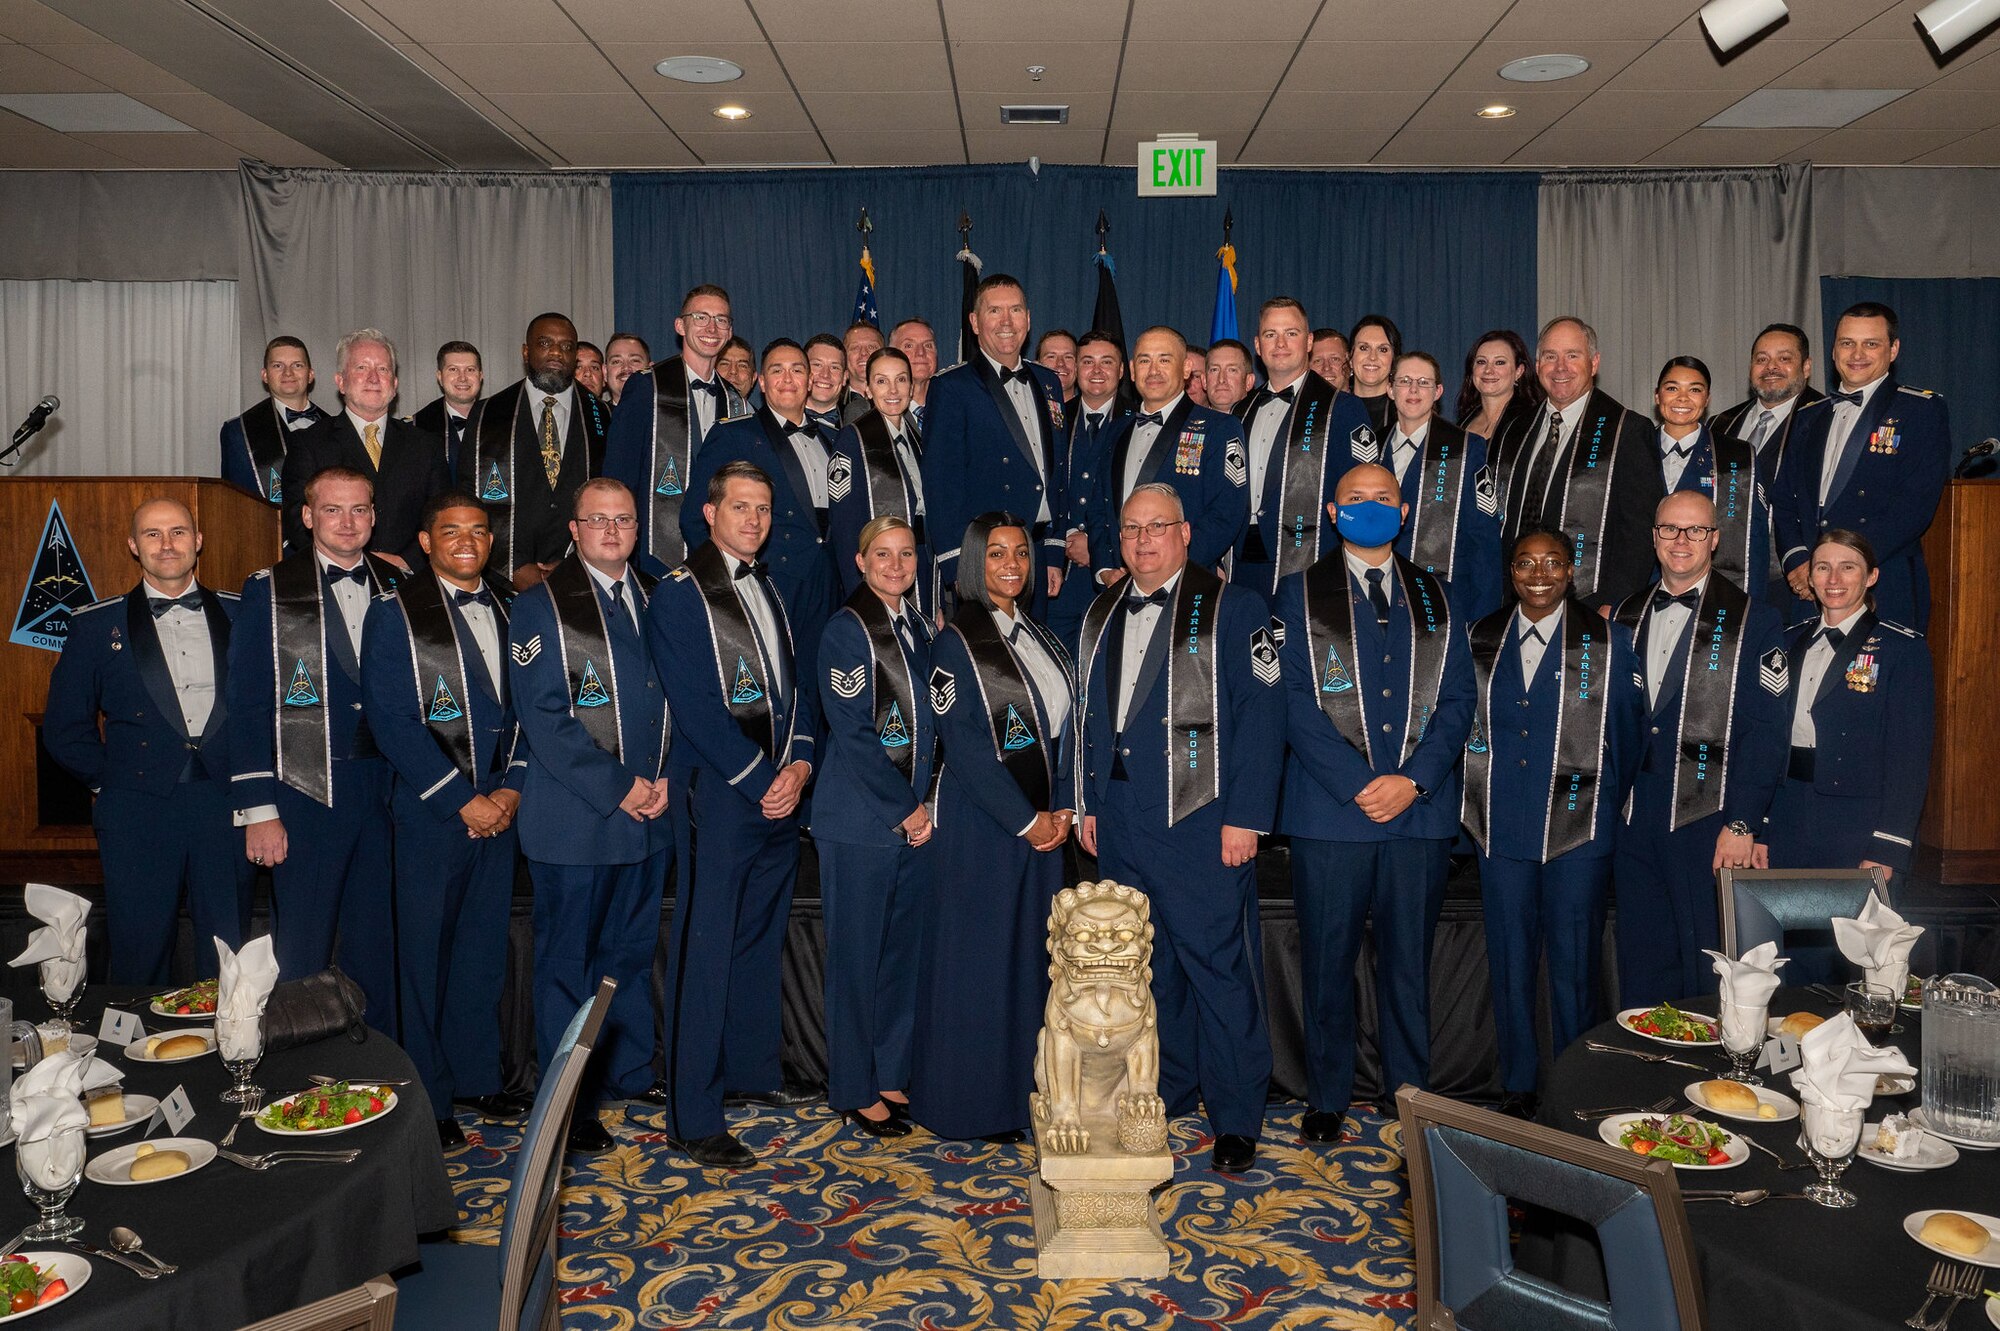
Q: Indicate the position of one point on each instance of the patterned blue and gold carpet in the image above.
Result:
(834, 1229)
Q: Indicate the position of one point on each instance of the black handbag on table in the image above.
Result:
(314, 1008)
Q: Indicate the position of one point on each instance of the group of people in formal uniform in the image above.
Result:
(643, 622)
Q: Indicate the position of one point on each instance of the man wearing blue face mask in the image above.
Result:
(1379, 696)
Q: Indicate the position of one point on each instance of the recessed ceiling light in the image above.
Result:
(1543, 68)
(731, 112)
(91, 113)
(1494, 112)
(699, 69)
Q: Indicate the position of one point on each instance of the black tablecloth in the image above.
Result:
(1782, 1264)
(250, 1245)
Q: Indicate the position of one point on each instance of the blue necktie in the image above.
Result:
(480, 597)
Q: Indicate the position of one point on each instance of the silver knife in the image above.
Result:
(143, 1272)
(1649, 1058)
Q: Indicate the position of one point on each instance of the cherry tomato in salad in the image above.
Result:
(23, 1300)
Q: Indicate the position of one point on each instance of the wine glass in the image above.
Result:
(50, 1169)
(1829, 1140)
(1873, 1007)
(240, 1041)
(1742, 1040)
(52, 973)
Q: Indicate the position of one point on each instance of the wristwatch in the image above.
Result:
(1738, 828)
(1422, 794)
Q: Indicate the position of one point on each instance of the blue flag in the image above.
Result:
(1223, 322)
(865, 310)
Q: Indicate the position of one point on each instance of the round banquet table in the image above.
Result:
(1782, 1263)
(248, 1244)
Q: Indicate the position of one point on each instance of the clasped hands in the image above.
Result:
(646, 800)
(489, 815)
(1049, 830)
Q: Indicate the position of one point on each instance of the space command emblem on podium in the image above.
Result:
(56, 588)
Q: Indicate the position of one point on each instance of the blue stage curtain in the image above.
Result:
(1447, 255)
(1948, 327)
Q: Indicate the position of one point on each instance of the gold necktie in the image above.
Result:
(551, 442)
(371, 439)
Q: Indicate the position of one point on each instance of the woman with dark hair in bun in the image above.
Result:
(1721, 469)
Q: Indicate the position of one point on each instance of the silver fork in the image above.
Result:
(250, 1108)
(1759, 1146)
(263, 1162)
(1964, 1284)
(1642, 1056)
(1940, 1283)
(1664, 1103)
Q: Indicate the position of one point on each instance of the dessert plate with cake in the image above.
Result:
(1732, 1099)
(1896, 1143)
(114, 1110)
(150, 1162)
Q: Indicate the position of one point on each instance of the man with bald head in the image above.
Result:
(152, 667)
(1379, 697)
(1582, 464)
(1714, 748)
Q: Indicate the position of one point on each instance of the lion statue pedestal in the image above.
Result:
(1100, 1126)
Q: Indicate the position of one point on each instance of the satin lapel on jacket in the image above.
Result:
(781, 444)
(151, 660)
(1008, 416)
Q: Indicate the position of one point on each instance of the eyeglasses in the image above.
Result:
(1667, 531)
(1525, 565)
(703, 319)
(599, 521)
(1132, 531)
(1421, 385)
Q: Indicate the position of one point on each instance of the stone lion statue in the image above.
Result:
(1098, 1055)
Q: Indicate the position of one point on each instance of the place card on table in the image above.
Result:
(1781, 1054)
(174, 1111)
(120, 1028)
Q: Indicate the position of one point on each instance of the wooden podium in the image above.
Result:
(62, 533)
(1959, 837)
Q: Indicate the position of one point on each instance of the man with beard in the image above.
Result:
(1780, 365)
(531, 445)
(625, 355)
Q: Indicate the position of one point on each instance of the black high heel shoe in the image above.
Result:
(898, 1109)
(876, 1127)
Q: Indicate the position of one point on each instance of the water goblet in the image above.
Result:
(50, 1169)
(52, 975)
(1873, 1007)
(1742, 1040)
(240, 1042)
(1829, 1139)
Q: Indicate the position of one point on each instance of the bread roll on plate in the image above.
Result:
(175, 1046)
(1799, 1023)
(1955, 1233)
(149, 1163)
(1730, 1095)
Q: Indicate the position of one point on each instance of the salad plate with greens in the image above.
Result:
(1669, 1025)
(32, 1281)
(1681, 1140)
(324, 1110)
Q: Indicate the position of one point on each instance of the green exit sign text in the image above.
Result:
(1177, 165)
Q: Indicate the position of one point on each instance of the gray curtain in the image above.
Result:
(1669, 263)
(1907, 221)
(119, 226)
(424, 257)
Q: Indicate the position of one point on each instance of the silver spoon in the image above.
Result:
(1747, 1197)
(126, 1241)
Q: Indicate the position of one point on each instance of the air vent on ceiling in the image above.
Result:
(1034, 115)
(91, 113)
(1804, 108)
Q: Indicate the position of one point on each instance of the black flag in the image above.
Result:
(968, 264)
(1106, 318)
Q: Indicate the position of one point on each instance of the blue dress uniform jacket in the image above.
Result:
(1349, 416)
(1197, 451)
(849, 510)
(239, 468)
(1084, 450)
(976, 460)
(1473, 585)
(1873, 721)
(1892, 472)
(162, 812)
(1698, 477)
(1740, 422)
(859, 795)
(628, 445)
(801, 560)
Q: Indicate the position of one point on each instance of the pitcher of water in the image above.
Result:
(1961, 1070)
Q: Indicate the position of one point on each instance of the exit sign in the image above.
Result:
(1177, 166)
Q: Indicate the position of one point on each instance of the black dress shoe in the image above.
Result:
(1321, 1126)
(877, 1127)
(722, 1151)
(1519, 1104)
(450, 1135)
(495, 1106)
(1011, 1137)
(785, 1097)
(656, 1094)
(898, 1108)
(587, 1134)
(1234, 1153)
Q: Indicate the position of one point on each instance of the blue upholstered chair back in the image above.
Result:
(1467, 1163)
(527, 1234)
(1763, 905)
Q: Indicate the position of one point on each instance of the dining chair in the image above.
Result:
(512, 1287)
(1467, 1163)
(370, 1306)
(1763, 905)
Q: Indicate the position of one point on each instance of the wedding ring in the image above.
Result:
(256, 859)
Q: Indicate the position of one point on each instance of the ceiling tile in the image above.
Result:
(1443, 20)
(615, 112)
(1072, 67)
(1855, 146)
(754, 149)
(1051, 25)
(840, 21)
(277, 149)
(1092, 111)
(1443, 147)
(688, 28)
(1551, 23)
(1291, 145)
(1592, 147)
(448, 79)
(619, 148)
(177, 151)
(23, 69)
(1980, 74)
(1928, 108)
(1981, 149)
(1729, 147)
(1481, 70)
(37, 24)
(1618, 110)
(859, 67)
(501, 67)
(1813, 20)
(1360, 115)
(1375, 66)
(1266, 20)
(117, 68)
(694, 112)
(929, 147)
(1671, 66)
(1899, 24)
(209, 114)
(881, 110)
(1452, 113)
(49, 151)
(1051, 143)
(500, 21)
(1212, 115)
(635, 60)
(1870, 64)
(1211, 66)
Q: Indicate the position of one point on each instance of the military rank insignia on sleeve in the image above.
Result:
(524, 653)
(1486, 492)
(847, 683)
(943, 690)
(839, 477)
(1234, 469)
(1363, 444)
(1774, 672)
(1263, 657)
(1277, 632)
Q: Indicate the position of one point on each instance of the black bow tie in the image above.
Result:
(480, 597)
(1019, 372)
(1662, 598)
(1149, 418)
(1852, 399)
(826, 419)
(1825, 633)
(751, 568)
(1531, 635)
(1134, 602)
(1285, 394)
(708, 386)
(291, 415)
(335, 575)
(1678, 450)
(162, 604)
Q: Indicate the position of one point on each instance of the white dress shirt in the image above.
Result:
(1265, 423)
(184, 641)
(1533, 648)
(706, 405)
(1144, 435)
(811, 454)
(1812, 670)
(1023, 394)
(1050, 680)
(1665, 635)
(1404, 448)
(1358, 568)
(625, 597)
(563, 400)
(1138, 628)
(1845, 414)
(1753, 420)
(350, 596)
(756, 594)
(485, 634)
(907, 456)
(1538, 441)
(1673, 465)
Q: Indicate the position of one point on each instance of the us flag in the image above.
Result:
(865, 309)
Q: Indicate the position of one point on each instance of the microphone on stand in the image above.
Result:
(35, 421)
(1969, 465)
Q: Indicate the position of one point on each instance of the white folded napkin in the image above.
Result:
(245, 981)
(1839, 1066)
(58, 944)
(1879, 941)
(1747, 985)
(48, 1097)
